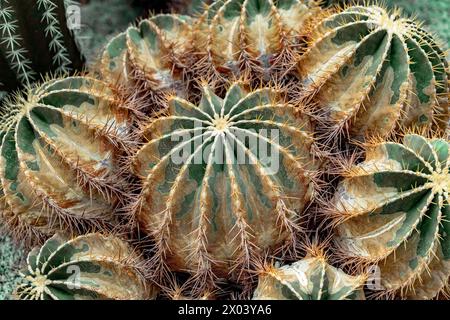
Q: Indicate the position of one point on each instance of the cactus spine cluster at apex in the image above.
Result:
(27, 27)
(310, 278)
(219, 214)
(394, 210)
(61, 143)
(91, 266)
(372, 70)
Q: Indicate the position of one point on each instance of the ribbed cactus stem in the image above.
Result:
(92, 266)
(394, 213)
(215, 212)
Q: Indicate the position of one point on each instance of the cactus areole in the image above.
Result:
(226, 200)
(396, 211)
(59, 149)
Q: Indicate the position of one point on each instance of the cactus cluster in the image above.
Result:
(211, 141)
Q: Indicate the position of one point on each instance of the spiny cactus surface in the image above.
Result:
(60, 148)
(311, 278)
(394, 211)
(372, 70)
(91, 266)
(257, 36)
(35, 39)
(212, 197)
(148, 55)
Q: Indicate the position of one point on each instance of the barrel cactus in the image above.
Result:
(149, 56)
(27, 27)
(92, 266)
(393, 211)
(225, 180)
(311, 278)
(256, 36)
(371, 71)
(61, 145)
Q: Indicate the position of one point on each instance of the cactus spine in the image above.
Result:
(372, 71)
(92, 266)
(61, 144)
(224, 203)
(27, 28)
(394, 211)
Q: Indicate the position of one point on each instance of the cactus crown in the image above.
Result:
(91, 266)
(381, 71)
(395, 207)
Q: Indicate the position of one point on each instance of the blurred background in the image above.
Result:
(102, 19)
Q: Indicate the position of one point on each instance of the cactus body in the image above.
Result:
(257, 36)
(34, 39)
(91, 266)
(148, 55)
(311, 278)
(395, 211)
(372, 70)
(59, 152)
(224, 202)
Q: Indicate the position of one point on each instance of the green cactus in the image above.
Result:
(211, 200)
(91, 266)
(371, 71)
(61, 144)
(393, 210)
(311, 278)
(35, 39)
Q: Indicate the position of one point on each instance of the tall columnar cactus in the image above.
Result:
(61, 144)
(311, 278)
(225, 180)
(394, 211)
(371, 71)
(35, 39)
(259, 36)
(149, 55)
(91, 266)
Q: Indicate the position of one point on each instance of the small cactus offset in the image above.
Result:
(372, 70)
(393, 210)
(213, 203)
(61, 145)
(92, 266)
(35, 39)
(311, 278)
